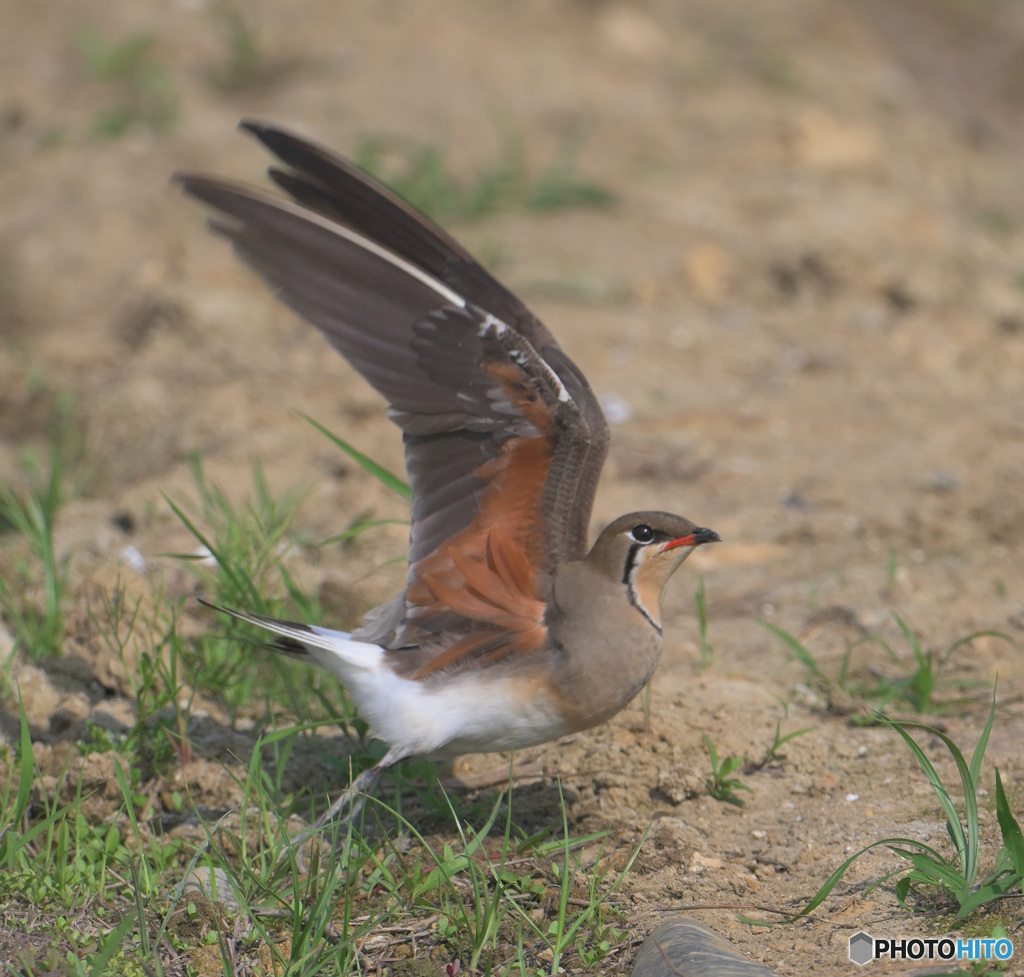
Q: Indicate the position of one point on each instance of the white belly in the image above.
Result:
(464, 714)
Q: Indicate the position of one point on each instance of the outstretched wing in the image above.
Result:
(504, 439)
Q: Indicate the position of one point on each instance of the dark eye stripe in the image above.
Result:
(627, 579)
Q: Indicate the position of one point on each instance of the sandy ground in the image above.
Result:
(806, 307)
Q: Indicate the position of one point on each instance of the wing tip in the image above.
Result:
(184, 178)
(265, 132)
(208, 189)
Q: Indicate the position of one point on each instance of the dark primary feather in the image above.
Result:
(332, 186)
(469, 372)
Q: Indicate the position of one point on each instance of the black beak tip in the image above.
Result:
(702, 536)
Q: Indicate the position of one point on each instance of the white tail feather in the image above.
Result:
(336, 652)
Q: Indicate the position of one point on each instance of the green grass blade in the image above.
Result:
(938, 787)
(968, 638)
(833, 880)
(1013, 840)
(919, 687)
(707, 652)
(241, 583)
(26, 767)
(966, 841)
(979, 750)
(137, 889)
(800, 653)
(915, 645)
(783, 740)
(358, 529)
(712, 753)
(379, 472)
(986, 894)
(935, 871)
(112, 944)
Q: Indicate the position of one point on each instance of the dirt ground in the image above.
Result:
(806, 308)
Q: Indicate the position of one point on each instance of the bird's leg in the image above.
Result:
(353, 797)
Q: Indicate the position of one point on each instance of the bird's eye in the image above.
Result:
(642, 533)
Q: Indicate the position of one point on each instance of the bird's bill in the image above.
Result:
(696, 538)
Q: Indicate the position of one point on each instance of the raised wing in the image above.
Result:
(504, 439)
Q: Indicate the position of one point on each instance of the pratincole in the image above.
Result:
(509, 632)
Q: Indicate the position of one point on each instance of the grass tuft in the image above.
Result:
(938, 879)
(141, 92)
(240, 563)
(33, 592)
(245, 63)
(421, 175)
(722, 785)
(772, 754)
(916, 689)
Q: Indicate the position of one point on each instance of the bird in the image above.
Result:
(511, 631)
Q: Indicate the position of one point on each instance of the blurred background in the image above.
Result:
(784, 239)
(800, 216)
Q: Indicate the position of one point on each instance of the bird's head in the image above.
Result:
(642, 550)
